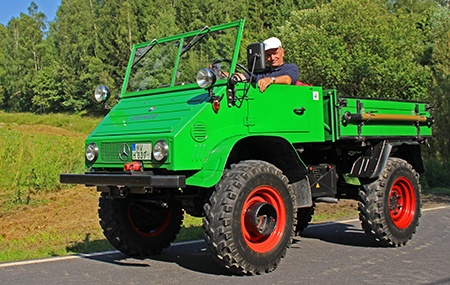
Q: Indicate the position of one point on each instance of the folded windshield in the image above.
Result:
(175, 61)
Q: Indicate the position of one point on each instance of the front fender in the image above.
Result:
(214, 164)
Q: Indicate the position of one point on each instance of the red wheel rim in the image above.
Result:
(402, 203)
(258, 242)
(155, 225)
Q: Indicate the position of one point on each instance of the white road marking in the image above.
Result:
(80, 255)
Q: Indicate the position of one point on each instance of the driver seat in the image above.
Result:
(299, 83)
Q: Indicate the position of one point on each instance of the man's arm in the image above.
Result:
(263, 83)
(289, 76)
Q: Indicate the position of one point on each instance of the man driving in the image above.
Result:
(278, 71)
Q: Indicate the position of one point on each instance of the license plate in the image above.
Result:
(141, 151)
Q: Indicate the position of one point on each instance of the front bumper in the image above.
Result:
(130, 180)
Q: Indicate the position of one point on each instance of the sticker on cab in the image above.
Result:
(316, 95)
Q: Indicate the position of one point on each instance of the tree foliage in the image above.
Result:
(360, 48)
(23, 51)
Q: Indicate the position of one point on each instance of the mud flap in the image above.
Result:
(372, 163)
(303, 196)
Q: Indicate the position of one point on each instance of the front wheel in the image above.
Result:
(137, 226)
(390, 206)
(249, 220)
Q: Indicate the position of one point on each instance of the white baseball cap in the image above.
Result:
(271, 43)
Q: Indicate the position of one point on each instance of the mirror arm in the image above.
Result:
(231, 90)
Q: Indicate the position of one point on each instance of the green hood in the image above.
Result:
(155, 114)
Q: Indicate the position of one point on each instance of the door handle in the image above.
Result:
(299, 111)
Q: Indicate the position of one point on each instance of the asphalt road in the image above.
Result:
(333, 253)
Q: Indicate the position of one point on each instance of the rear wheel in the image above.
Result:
(390, 206)
(250, 217)
(139, 227)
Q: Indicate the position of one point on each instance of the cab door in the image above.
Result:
(295, 111)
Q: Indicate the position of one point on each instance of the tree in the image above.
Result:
(75, 37)
(359, 48)
(437, 58)
(23, 52)
(3, 65)
(433, 21)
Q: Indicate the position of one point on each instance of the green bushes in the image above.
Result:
(436, 178)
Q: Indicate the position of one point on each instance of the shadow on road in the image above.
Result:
(195, 257)
(192, 256)
(339, 233)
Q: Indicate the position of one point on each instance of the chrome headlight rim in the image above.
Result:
(91, 152)
(160, 151)
(205, 78)
(102, 93)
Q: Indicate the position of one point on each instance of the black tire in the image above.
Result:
(304, 217)
(249, 221)
(390, 206)
(137, 227)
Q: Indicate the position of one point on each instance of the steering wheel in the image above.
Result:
(219, 73)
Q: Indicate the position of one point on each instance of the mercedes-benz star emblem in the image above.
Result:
(124, 152)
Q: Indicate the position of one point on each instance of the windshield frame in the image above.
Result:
(239, 25)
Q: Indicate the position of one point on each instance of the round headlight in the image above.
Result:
(205, 78)
(101, 93)
(91, 152)
(160, 150)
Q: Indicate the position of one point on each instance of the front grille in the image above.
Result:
(110, 152)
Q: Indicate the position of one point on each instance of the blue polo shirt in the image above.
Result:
(284, 69)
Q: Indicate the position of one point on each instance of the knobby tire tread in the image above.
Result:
(123, 238)
(218, 217)
(371, 204)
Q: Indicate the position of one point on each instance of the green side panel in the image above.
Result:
(271, 113)
(393, 129)
(292, 112)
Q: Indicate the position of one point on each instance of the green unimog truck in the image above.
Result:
(188, 135)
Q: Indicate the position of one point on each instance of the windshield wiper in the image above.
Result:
(198, 37)
(145, 51)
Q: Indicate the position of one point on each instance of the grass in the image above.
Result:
(34, 150)
(66, 224)
(41, 218)
(75, 123)
(32, 247)
(191, 230)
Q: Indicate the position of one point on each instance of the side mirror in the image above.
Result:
(256, 61)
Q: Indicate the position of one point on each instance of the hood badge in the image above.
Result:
(124, 152)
